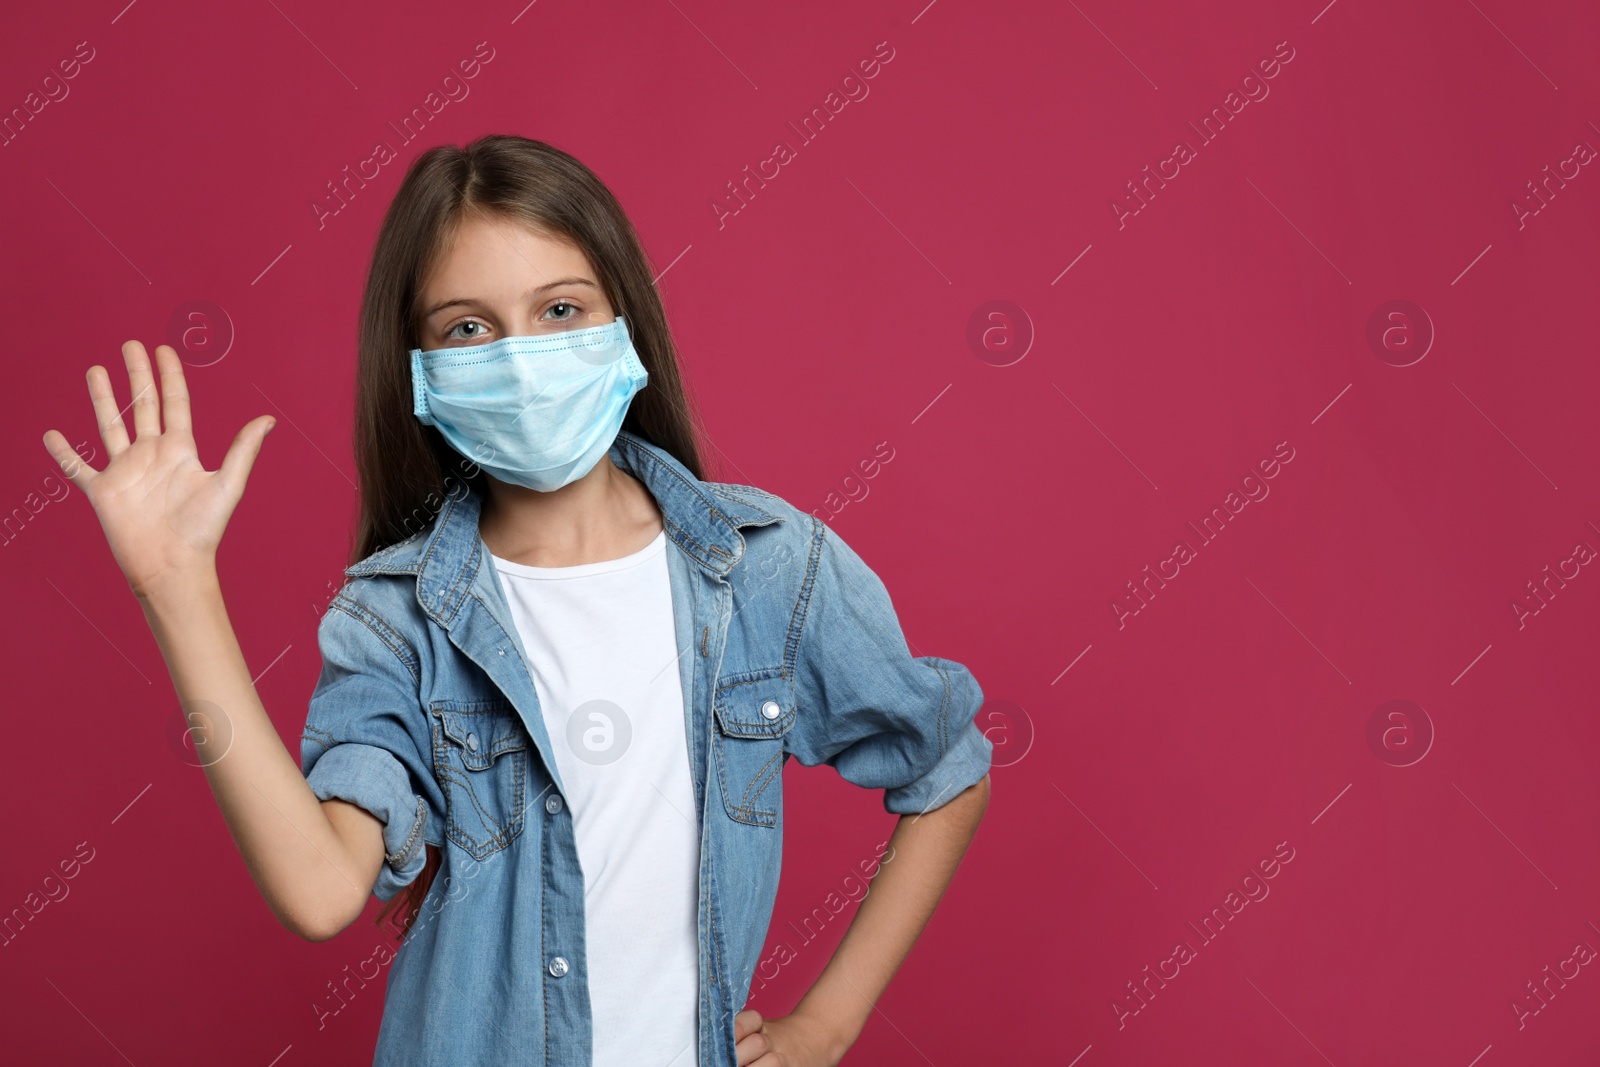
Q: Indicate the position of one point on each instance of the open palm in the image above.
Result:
(162, 512)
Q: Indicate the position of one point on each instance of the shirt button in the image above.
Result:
(771, 710)
(553, 804)
(558, 966)
(472, 742)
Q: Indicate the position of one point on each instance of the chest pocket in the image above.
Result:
(753, 713)
(480, 756)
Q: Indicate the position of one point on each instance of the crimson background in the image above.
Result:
(1141, 769)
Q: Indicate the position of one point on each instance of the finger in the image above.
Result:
(243, 452)
(753, 1049)
(113, 432)
(142, 384)
(73, 468)
(747, 1021)
(174, 390)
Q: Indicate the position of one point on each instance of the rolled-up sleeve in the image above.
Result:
(881, 717)
(365, 739)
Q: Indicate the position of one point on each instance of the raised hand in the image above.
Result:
(162, 512)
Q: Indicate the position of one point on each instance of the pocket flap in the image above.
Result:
(758, 704)
(481, 729)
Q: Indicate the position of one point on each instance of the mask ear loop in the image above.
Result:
(638, 372)
(419, 389)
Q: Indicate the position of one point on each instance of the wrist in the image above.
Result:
(836, 1024)
(177, 590)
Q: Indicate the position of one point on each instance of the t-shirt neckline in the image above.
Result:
(583, 570)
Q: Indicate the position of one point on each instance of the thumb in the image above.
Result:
(243, 452)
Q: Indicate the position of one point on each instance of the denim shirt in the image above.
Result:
(425, 714)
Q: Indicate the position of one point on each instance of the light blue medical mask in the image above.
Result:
(535, 411)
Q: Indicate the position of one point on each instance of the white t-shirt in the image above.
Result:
(603, 650)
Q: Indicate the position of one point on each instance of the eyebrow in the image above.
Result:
(535, 291)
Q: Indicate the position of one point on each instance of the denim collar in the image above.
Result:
(700, 520)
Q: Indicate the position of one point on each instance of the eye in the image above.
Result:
(451, 335)
(573, 308)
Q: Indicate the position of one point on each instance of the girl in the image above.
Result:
(566, 672)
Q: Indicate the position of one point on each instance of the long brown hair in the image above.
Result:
(406, 468)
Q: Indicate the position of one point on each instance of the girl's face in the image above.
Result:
(500, 278)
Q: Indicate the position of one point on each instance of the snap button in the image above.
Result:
(558, 966)
(771, 710)
(472, 742)
(553, 804)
